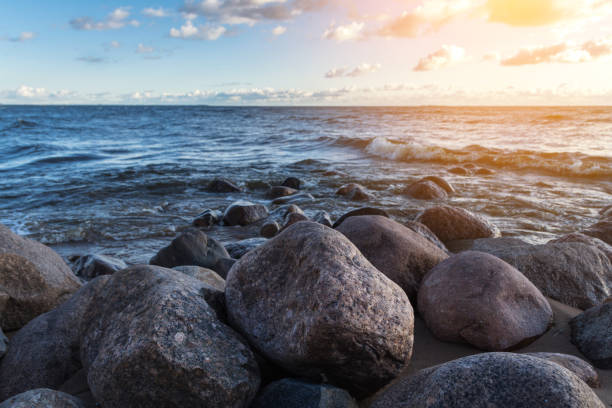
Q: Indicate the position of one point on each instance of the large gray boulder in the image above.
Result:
(45, 352)
(311, 303)
(152, 339)
(573, 273)
(292, 393)
(33, 280)
(43, 398)
(244, 213)
(403, 255)
(592, 334)
(491, 380)
(192, 247)
(454, 223)
(476, 298)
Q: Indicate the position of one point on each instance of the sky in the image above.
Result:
(306, 52)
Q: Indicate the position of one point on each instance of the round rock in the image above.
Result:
(592, 334)
(426, 190)
(292, 182)
(578, 366)
(92, 266)
(453, 223)
(222, 185)
(244, 213)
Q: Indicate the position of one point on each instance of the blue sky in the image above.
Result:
(312, 52)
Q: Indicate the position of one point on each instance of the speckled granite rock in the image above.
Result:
(43, 398)
(292, 393)
(453, 223)
(310, 302)
(585, 239)
(491, 380)
(592, 334)
(578, 366)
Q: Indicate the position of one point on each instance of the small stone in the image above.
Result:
(208, 218)
(222, 185)
(280, 191)
(244, 213)
(355, 192)
(269, 229)
(426, 190)
(292, 182)
(92, 266)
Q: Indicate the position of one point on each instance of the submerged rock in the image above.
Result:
(222, 185)
(578, 366)
(592, 334)
(461, 171)
(292, 182)
(453, 223)
(244, 213)
(292, 218)
(311, 303)
(426, 190)
(208, 218)
(298, 198)
(601, 230)
(361, 211)
(403, 255)
(292, 393)
(491, 380)
(323, 218)
(239, 248)
(92, 266)
(43, 398)
(476, 298)
(280, 191)
(355, 192)
(33, 280)
(445, 185)
(269, 230)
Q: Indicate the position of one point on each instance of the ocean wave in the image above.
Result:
(19, 124)
(559, 164)
(81, 157)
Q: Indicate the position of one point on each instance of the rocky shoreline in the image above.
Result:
(362, 311)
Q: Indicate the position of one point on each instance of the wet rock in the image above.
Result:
(403, 255)
(323, 218)
(573, 273)
(355, 192)
(592, 334)
(422, 230)
(445, 185)
(453, 223)
(311, 303)
(269, 230)
(223, 266)
(578, 366)
(239, 248)
(151, 339)
(43, 398)
(489, 245)
(192, 247)
(45, 352)
(244, 213)
(601, 230)
(3, 343)
(585, 239)
(280, 191)
(205, 275)
(298, 198)
(292, 218)
(476, 298)
(491, 380)
(361, 211)
(426, 190)
(481, 171)
(33, 280)
(292, 393)
(222, 185)
(92, 266)
(461, 171)
(279, 214)
(292, 182)
(208, 218)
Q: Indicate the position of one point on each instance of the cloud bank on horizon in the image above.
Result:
(188, 51)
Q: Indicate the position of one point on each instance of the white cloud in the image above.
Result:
(348, 32)
(22, 37)
(142, 49)
(279, 30)
(203, 32)
(446, 56)
(156, 12)
(118, 18)
(115, 44)
(359, 70)
(565, 52)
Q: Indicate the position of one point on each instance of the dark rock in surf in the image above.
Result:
(311, 303)
(298, 198)
(426, 190)
(208, 218)
(483, 172)
(453, 223)
(91, 266)
(292, 218)
(33, 280)
(445, 185)
(239, 248)
(279, 214)
(280, 191)
(490, 380)
(293, 393)
(205, 275)
(403, 255)
(361, 211)
(476, 298)
(461, 171)
(269, 229)
(601, 230)
(592, 334)
(222, 185)
(355, 192)
(292, 182)
(323, 218)
(244, 213)
(578, 366)
(43, 398)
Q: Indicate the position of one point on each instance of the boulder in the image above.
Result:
(33, 280)
(292, 393)
(585, 239)
(445, 185)
(91, 266)
(298, 198)
(400, 253)
(592, 334)
(208, 218)
(361, 211)
(476, 298)
(269, 229)
(280, 191)
(244, 213)
(192, 247)
(426, 190)
(45, 352)
(601, 230)
(152, 339)
(425, 232)
(578, 366)
(453, 223)
(323, 218)
(292, 218)
(573, 273)
(292, 182)
(355, 192)
(43, 398)
(489, 245)
(4, 341)
(503, 380)
(222, 185)
(311, 303)
(205, 275)
(239, 248)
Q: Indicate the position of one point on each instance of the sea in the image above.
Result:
(125, 180)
